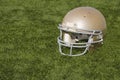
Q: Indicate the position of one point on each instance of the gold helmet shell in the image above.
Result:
(85, 18)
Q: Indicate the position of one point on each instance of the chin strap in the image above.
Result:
(90, 40)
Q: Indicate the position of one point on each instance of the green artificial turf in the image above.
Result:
(28, 42)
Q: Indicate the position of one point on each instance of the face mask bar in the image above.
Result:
(84, 45)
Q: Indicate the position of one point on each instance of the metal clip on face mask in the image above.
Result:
(79, 24)
(84, 45)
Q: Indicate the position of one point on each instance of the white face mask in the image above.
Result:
(75, 40)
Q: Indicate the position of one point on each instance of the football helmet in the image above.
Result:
(81, 28)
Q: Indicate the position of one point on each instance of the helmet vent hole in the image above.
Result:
(76, 37)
